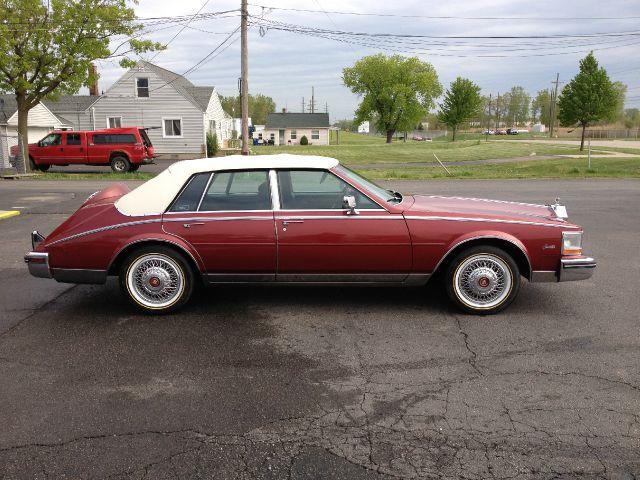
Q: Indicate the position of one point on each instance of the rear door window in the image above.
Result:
(238, 191)
(73, 139)
(189, 197)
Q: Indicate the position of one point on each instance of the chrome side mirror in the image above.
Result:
(349, 204)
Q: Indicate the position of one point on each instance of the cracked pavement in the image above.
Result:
(350, 383)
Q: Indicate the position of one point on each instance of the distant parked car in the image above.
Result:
(285, 219)
(417, 138)
(512, 131)
(124, 149)
(501, 132)
(489, 132)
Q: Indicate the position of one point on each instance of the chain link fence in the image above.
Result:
(7, 142)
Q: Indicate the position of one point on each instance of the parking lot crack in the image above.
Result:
(473, 356)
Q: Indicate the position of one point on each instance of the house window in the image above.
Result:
(142, 87)
(294, 134)
(114, 122)
(172, 127)
(272, 136)
(315, 134)
(260, 136)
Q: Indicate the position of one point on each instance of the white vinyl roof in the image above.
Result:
(153, 197)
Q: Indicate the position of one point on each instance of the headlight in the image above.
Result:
(571, 243)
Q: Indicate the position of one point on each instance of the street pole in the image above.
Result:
(486, 135)
(244, 77)
(589, 153)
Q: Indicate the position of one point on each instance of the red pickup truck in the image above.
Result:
(124, 149)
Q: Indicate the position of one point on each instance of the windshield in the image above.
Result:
(387, 195)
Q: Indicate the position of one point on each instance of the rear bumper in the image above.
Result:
(577, 268)
(38, 264)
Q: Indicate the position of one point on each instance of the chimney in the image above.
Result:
(284, 110)
(93, 88)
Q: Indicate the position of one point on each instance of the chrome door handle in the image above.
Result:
(189, 225)
(287, 222)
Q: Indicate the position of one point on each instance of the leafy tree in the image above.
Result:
(517, 102)
(259, 107)
(590, 96)
(46, 48)
(541, 107)
(461, 102)
(621, 93)
(632, 118)
(347, 125)
(397, 92)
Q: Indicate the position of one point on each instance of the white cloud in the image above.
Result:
(286, 65)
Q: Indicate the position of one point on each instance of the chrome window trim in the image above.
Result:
(204, 192)
(344, 216)
(275, 190)
(215, 219)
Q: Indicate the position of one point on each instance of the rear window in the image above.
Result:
(189, 197)
(101, 138)
(145, 138)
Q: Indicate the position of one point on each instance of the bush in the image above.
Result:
(212, 144)
(304, 140)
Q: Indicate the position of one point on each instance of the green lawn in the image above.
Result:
(554, 168)
(357, 149)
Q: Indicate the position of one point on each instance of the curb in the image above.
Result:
(8, 214)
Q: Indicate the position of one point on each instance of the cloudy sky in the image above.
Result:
(285, 65)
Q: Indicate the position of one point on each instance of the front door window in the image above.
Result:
(317, 190)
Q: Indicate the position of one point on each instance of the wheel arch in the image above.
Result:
(120, 255)
(508, 243)
(119, 153)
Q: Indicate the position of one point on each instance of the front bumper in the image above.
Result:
(576, 268)
(38, 264)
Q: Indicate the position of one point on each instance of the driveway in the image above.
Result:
(348, 383)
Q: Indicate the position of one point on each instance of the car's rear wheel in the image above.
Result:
(120, 164)
(157, 279)
(483, 280)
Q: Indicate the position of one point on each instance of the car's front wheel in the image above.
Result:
(483, 280)
(156, 279)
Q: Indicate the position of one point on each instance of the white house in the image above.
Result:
(288, 128)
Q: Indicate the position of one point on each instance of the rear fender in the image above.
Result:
(158, 238)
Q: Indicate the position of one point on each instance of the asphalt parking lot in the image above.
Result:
(348, 383)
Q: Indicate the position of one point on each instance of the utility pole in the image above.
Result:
(554, 98)
(497, 111)
(244, 77)
(312, 102)
(486, 136)
(303, 105)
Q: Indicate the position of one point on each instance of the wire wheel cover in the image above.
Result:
(155, 280)
(483, 281)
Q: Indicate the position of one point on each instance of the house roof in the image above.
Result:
(70, 103)
(199, 95)
(8, 106)
(154, 196)
(297, 120)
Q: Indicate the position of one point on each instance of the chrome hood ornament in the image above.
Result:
(559, 210)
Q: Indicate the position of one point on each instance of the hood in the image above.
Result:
(479, 207)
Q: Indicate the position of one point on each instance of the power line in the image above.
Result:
(181, 30)
(437, 17)
(206, 58)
